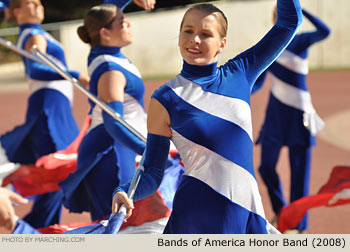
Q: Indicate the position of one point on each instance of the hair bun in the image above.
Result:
(83, 34)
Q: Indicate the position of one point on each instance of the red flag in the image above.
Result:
(49, 170)
(146, 210)
(335, 192)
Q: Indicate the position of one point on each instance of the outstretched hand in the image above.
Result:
(146, 4)
(121, 198)
(7, 213)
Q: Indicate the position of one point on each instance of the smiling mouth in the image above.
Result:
(193, 51)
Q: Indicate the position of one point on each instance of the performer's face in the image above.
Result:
(200, 41)
(120, 31)
(31, 11)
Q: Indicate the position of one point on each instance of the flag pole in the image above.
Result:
(14, 48)
(115, 221)
(91, 96)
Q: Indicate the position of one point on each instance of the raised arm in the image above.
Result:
(322, 30)
(41, 71)
(257, 58)
(146, 4)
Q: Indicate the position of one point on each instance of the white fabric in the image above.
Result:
(152, 227)
(63, 86)
(227, 178)
(125, 63)
(7, 169)
(3, 156)
(342, 195)
(293, 62)
(299, 99)
(232, 109)
(134, 115)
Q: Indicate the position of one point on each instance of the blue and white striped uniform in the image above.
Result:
(291, 119)
(211, 127)
(104, 162)
(49, 125)
(290, 100)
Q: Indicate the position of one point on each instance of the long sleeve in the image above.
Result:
(39, 71)
(322, 30)
(4, 4)
(259, 82)
(154, 160)
(257, 58)
(120, 3)
(119, 132)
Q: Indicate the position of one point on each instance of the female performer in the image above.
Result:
(107, 153)
(49, 125)
(205, 111)
(290, 119)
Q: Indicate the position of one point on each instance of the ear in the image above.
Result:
(104, 34)
(222, 45)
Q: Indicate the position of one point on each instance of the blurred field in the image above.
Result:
(330, 93)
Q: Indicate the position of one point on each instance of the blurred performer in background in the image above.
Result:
(290, 119)
(107, 153)
(49, 124)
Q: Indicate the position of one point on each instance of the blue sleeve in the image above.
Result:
(119, 132)
(259, 82)
(39, 71)
(259, 57)
(4, 4)
(120, 3)
(322, 30)
(154, 161)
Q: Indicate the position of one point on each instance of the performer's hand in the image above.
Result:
(84, 80)
(121, 198)
(7, 213)
(146, 4)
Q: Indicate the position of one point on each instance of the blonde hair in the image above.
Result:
(211, 9)
(98, 17)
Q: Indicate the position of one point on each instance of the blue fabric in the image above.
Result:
(134, 84)
(169, 184)
(154, 167)
(90, 187)
(300, 162)
(120, 3)
(4, 4)
(234, 79)
(221, 216)
(119, 132)
(171, 180)
(23, 227)
(236, 146)
(49, 126)
(284, 124)
(46, 210)
(103, 162)
(40, 71)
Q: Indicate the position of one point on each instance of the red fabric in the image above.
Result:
(148, 209)
(292, 214)
(49, 170)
